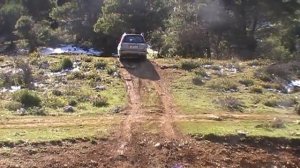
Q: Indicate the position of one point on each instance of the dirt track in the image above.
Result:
(132, 145)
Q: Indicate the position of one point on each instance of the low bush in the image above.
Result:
(224, 85)
(111, 70)
(206, 62)
(297, 109)
(281, 102)
(231, 104)
(66, 63)
(100, 65)
(27, 72)
(198, 80)
(271, 103)
(256, 63)
(92, 83)
(13, 106)
(34, 55)
(277, 123)
(27, 98)
(263, 76)
(37, 111)
(55, 67)
(247, 82)
(87, 59)
(57, 93)
(72, 102)
(54, 102)
(1, 59)
(216, 68)
(189, 65)
(201, 72)
(99, 101)
(76, 75)
(256, 90)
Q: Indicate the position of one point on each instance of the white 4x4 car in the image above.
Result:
(132, 46)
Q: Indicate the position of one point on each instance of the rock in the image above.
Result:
(21, 111)
(44, 65)
(100, 88)
(216, 118)
(157, 145)
(277, 123)
(242, 133)
(69, 109)
(117, 109)
(116, 75)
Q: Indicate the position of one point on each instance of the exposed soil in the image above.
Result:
(133, 145)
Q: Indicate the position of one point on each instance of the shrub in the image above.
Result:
(66, 63)
(27, 72)
(57, 93)
(255, 63)
(281, 102)
(1, 59)
(231, 104)
(280, 70)
(99, 101)
(189, 65)
(34, 55)
(216, 68)
(27, 98)
(277, 123)
(297, 109)
(93, 75)
(247, 82)
(201, 72)
(72, 102)
(87, 59)
(198, 80)
(271, 103)
(13, 106)
(100, 65)
(55, 68)
(224, 85)
(111, 70)
(207, 62)
(76, 75)
(263, 76)
(273, 48)
(256, 90)
(54, 102)
(5, 80)
(38, 111)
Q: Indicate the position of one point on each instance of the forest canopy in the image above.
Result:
(187, 28)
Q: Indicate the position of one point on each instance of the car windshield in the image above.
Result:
(133, 39)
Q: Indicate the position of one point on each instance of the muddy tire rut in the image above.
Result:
(143, 106)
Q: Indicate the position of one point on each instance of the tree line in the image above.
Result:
(187, 28)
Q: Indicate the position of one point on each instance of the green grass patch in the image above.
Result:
(234, 127)
(34, 129)
(198, 99)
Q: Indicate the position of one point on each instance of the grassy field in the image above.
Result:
(92, 87)
(220, 82)
(229, 89)
(250, 128)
